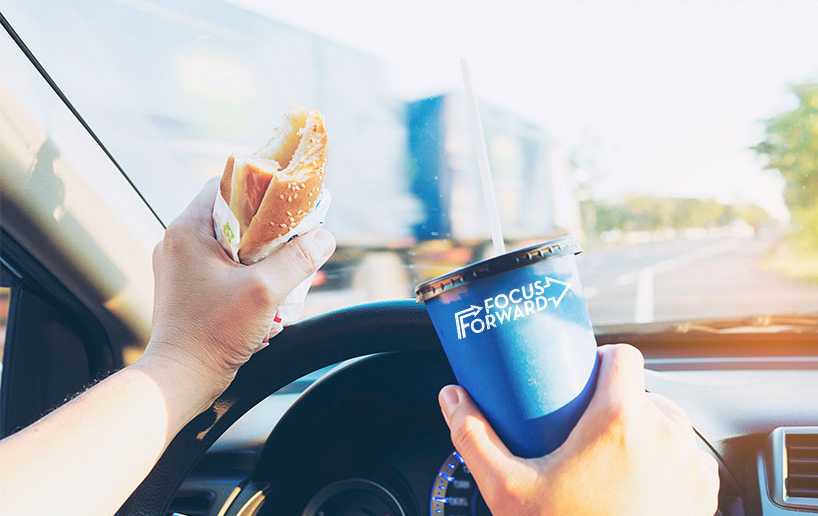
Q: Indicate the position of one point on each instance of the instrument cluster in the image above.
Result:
(452, 492)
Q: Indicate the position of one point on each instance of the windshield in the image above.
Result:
(678, 141)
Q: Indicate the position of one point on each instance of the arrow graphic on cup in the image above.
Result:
(566, 287)
(471, 311)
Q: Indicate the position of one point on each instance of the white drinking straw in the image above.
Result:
(483, 163)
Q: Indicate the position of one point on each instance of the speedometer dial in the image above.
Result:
(354, 497)
(454, 492)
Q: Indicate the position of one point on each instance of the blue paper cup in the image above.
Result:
(517, 334)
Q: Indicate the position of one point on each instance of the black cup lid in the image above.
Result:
(495, 265)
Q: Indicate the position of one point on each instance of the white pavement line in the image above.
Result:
(671, 264)
(644, 304)
(643, 311)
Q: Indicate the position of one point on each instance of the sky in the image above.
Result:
(663, 97)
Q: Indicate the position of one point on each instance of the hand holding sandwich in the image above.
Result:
(211, 313)
(218, 300)
(220, 285)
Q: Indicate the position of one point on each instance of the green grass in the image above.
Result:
(793, 261)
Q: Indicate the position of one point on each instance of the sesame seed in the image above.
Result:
(289, 198)
(283, 225)
(281, 197)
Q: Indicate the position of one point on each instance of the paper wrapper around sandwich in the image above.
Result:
(228, 233)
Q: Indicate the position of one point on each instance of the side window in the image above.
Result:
(5, 295)
(6, 284)
(51, 346)
(5, 301)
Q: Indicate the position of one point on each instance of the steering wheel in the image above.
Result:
(300, 349)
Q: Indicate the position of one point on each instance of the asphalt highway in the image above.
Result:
(689, 279)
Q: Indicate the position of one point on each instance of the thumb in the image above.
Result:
(490, 462)
(294, 262)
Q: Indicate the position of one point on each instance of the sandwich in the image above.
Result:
(273, 192)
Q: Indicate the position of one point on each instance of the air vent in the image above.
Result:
(801, 476)
(794, 467)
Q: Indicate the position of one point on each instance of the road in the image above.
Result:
(688, 279)
(671, 280)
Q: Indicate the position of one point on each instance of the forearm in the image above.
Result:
(88, 456)
(95, 450)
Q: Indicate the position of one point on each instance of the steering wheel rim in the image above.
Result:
(305, 347)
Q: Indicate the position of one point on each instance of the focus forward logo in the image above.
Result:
(461, 319)
(517, 303)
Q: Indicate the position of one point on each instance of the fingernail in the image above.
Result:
(449, 400)
(320, 244)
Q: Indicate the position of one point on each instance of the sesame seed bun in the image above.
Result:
(271, 191)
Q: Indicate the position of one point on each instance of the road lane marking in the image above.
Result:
(643, 307)
(675, 262)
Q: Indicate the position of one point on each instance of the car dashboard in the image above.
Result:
(368, 438)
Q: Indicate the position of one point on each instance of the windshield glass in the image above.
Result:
(677, 141)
